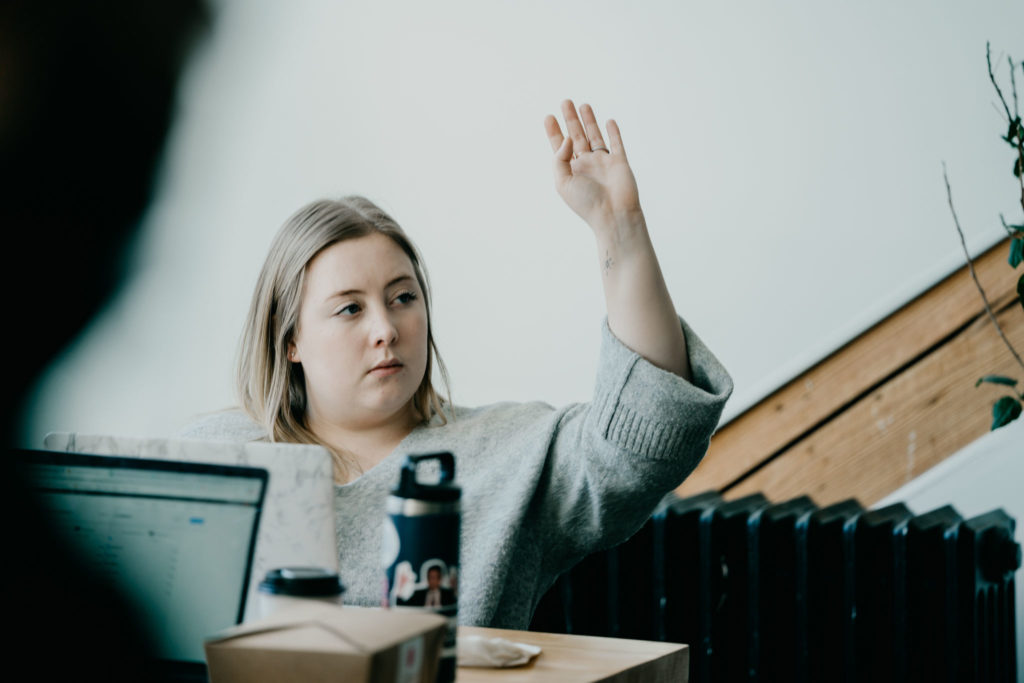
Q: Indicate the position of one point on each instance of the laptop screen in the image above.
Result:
(297, 525)
(178, 537)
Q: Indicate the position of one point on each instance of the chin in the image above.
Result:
(394, 409)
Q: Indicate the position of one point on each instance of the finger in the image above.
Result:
(615, 138)
(574, 127)
(554, 132)
(564, 151)
(563, 155)
(591, 128)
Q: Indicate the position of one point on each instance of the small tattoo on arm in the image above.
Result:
(608, 262)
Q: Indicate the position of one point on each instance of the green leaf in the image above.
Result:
(1016, 251)
(996, 379)
(1020, 291)
(1006, 410)
(1014, 131)
(1011, 229)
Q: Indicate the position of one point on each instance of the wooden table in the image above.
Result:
(566, 658)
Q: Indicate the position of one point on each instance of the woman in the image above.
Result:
(338, 351)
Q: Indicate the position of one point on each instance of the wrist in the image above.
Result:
(617, 230)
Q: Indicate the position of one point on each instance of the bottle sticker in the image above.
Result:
(436, 588)
(391, 545)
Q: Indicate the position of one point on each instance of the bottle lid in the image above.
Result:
(313, 582)
(444, 490)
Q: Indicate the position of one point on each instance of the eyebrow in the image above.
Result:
(349, 292)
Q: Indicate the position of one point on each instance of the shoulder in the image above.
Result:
(225, 425)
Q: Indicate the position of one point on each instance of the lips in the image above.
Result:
(386, 367)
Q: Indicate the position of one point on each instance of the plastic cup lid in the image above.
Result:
(302, 581)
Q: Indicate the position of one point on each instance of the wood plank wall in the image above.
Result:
(887, 406)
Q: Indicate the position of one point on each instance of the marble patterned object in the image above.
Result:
(297, 523)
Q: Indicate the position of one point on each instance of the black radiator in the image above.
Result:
(788, 591)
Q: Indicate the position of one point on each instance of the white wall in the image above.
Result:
(788, 156)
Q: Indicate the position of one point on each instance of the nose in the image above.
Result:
(384, 331)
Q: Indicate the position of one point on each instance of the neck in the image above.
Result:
(364, 445)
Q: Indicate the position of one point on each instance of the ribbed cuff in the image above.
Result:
(654, 413)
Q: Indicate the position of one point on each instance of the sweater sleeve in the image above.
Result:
(611, 461)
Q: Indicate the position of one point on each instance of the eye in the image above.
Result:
(351, 309)
(406, 297)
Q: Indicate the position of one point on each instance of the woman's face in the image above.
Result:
(362, 334)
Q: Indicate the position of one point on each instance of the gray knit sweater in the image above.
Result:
(541, 487)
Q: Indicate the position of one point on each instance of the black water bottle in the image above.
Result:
(421, 547)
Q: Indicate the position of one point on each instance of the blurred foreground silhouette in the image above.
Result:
(87, 96)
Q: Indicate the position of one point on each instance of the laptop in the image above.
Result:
(179, 537)
(298, 524)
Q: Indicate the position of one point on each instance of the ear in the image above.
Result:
(293, 353)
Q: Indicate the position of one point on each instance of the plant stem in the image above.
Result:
(1020, 134)
(970, 265)
(1009, 117)
(1013, 86)
(1006, 227)
(992, 77)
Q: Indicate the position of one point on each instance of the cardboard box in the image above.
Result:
(321, 642)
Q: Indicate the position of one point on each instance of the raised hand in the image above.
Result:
(593, 178)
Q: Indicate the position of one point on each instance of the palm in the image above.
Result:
(594, 179)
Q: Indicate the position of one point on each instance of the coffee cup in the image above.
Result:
(286, 586)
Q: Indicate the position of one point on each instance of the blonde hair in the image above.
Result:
(271, 388)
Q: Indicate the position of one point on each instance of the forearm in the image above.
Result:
(640, 309)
